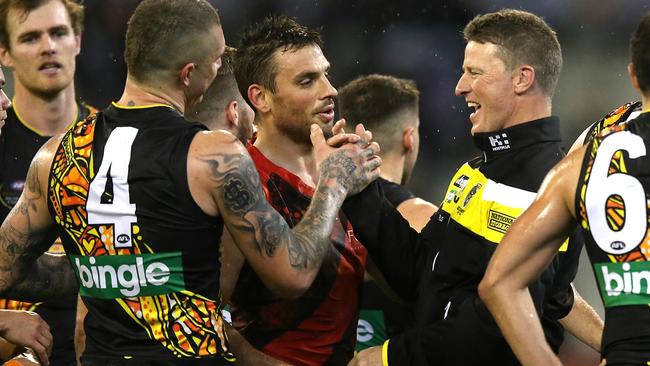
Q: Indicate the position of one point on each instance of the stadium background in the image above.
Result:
(420, 40)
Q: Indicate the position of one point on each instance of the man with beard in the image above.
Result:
(140, 197)
(39, 42)
(281, 70)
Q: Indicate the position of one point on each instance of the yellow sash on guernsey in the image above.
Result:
(483, 206)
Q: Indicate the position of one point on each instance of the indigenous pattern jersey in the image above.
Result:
(18, 145)
(613, 210)
(145, 255)
(318, 328)
(621, 114)
(382, 317)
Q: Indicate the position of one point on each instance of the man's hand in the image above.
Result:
(27, 329)
(353, 165)
(368, 357)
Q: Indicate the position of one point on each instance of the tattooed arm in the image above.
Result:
(224, 181)
(27, 232)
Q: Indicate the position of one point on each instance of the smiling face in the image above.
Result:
(303, 93)
(42, 48)
(487, 86)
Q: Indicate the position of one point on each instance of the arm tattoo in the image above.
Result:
(23, 275)
(246, 209)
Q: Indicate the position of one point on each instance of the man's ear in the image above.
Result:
(408, 141)
(232, 115)
(523, 79)
(633, 78)
(259, 98)
(186, 73)
(5, 57)
(77, 40)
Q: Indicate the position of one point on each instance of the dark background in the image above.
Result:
(420, 40)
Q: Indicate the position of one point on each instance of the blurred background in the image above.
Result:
(419, 40)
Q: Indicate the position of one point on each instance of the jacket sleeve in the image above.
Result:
(400, 253)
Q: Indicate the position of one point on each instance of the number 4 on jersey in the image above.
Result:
(109, 202)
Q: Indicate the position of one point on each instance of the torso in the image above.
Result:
(319, 327)
(612, 207)
(145, 254)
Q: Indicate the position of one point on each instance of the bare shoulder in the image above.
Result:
(213, 157)
(39, 170)
(215, 142)
(417, 212)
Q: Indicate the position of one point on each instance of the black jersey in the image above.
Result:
(145, 254)
(441, 267)
(380, 316)
(613, 210)
(18, 145)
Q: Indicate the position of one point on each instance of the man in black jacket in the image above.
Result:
(512, 63)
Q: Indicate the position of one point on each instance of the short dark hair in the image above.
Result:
(254, 63)
(378, 101)
(640, 53)
(222, 90)
(24, 7)
(523, 38)
(159, 32)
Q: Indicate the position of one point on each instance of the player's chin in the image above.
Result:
(325, 124)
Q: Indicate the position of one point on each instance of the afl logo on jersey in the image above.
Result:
(617, 245)
(123, 238)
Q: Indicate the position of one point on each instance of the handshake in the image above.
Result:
(346, 161)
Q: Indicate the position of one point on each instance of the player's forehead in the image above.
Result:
(45, 16)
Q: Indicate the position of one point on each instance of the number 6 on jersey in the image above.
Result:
(603, 186)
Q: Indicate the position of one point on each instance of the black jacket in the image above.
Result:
(439, 269)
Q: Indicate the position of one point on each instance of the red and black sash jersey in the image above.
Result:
(320, 327)
(612, 207)
(145, 255)
(18, 145)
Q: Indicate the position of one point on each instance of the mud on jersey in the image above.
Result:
(147, 268)
(612, 205)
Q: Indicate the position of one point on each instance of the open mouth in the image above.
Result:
(474, 105)
(50, 67)
(327, 113)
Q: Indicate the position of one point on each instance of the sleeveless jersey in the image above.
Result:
(145, 255)
(18, 145)
(319, 328)
(612, 208)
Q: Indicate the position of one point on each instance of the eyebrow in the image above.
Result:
(312, 74)
(36, 33)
